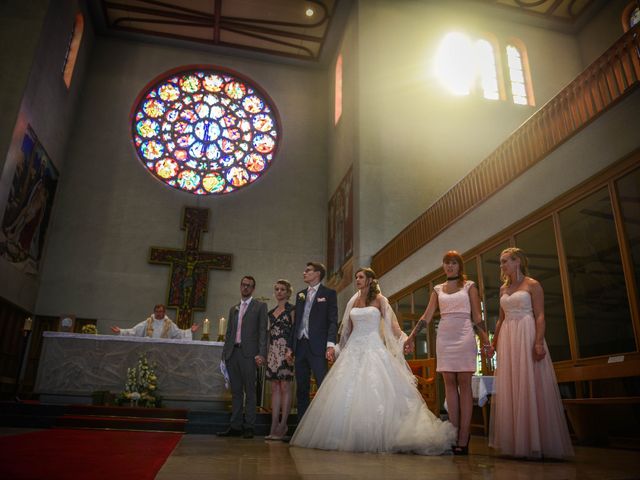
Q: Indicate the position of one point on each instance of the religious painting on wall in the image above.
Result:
(26, 217)
(340, 231)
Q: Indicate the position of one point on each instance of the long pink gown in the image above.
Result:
(527, 417)
(456, 347)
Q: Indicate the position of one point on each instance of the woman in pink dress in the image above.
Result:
(456, 349)
(527, 417)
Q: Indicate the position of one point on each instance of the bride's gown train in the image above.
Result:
(368, 401)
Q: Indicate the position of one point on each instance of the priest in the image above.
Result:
(158, 325)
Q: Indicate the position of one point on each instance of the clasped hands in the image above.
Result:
(409, 345)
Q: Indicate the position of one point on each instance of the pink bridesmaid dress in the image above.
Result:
(456, 347)
(527, 416)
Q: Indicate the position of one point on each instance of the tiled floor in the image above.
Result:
(208, 457)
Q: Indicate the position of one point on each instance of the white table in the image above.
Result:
(482, 386)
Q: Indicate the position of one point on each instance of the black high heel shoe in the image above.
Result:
(462, 450)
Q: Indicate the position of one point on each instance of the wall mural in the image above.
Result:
(340, 231)
(26, 216)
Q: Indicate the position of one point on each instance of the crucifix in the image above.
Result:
(190, 267)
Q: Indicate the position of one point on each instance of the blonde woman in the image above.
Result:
(279, 370)
(527, 417)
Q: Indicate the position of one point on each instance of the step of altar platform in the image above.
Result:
(33, 414)
(122, 423)
(42, 415)
(123, 418)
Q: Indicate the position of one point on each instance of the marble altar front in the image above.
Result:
(73, 366)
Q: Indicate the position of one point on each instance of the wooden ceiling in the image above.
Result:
(567, 11)
(285, 29)
(289, 28)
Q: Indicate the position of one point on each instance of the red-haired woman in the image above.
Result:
(456, 350)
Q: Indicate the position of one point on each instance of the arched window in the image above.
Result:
(71, 55)
(205, 131)
(487, 70)
(520, 80)
(465, 66)
(338, 92)
(630, 16)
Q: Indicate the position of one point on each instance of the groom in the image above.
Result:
(314, 334)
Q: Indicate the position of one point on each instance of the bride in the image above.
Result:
(368, 401)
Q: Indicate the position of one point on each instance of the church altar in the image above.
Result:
(73, 366)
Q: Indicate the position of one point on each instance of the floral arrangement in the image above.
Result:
(302, 296)
(142, 384)
(90, 329)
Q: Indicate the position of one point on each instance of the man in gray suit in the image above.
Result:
(245, 347)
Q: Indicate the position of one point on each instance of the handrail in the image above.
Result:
(605, 82)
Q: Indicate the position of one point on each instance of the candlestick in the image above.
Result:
(205, 330)
(222, 328)
(28, 323)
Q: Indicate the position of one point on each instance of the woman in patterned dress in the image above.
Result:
(279, 371)
(459, 304)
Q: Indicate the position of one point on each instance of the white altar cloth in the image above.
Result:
(73, 366)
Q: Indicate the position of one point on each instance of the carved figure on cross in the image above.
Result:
(190, 267)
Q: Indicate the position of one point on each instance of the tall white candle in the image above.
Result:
(222, 326)
(205, 326)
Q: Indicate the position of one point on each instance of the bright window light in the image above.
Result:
(455, 66)
(486, 68)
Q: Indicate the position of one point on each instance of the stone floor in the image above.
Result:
(206, 457)
(209, 457)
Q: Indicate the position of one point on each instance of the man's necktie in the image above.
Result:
(243, 309)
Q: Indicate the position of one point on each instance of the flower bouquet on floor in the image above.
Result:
(141, 386)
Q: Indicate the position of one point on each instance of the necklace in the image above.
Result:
(457, 277)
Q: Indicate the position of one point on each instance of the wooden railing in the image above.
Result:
(606, 81)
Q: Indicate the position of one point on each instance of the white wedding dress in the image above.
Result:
(368, 401)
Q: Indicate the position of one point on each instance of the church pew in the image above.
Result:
(599, 410)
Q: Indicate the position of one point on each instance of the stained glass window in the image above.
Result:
(205, 131)
(71, 54)
(338, 105)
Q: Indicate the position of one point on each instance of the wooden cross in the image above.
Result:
(190, 267)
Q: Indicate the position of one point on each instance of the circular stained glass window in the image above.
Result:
(205, 131)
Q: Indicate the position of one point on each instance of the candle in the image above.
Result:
(222, 326)
(28, 322)
(205, 326)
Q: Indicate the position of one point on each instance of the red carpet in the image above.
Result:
(85, 454)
